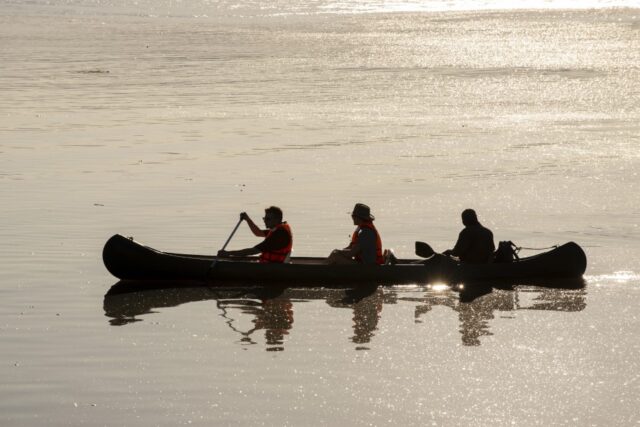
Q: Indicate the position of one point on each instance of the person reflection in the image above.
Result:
(276, 318)
(474, 314)
(274, 314)
(366, 303)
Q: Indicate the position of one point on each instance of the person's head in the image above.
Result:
(361, 213)
(469, 217)
(272, 216)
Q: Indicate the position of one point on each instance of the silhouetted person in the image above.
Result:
(365, 246)
(475, 242)
(278, 241)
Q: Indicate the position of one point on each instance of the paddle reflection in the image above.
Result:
(272, 309)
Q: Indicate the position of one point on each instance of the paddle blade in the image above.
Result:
(424, 250)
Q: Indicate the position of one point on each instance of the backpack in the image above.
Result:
(507, 252)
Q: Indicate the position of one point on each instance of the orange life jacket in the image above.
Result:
(278, 255)
(354, 240)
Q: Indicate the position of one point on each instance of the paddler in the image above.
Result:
(365, 246)
(475, 242)
(276, 247)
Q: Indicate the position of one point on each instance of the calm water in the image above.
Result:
(163, 120)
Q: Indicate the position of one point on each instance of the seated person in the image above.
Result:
(475, 242)
(365, 246)
(278, 242)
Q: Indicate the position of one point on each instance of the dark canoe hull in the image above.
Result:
(129, 260)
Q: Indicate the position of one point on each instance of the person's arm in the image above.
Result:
(257, 231)
(461, 247)
(239, 252)
(352, 250)
(277, 240)
(366, 239)
(343, 256)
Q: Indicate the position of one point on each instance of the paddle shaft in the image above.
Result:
(213, 263)
(231, 235)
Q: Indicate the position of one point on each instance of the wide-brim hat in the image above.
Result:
(362, 211)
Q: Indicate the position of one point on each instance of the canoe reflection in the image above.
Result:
(272, 309)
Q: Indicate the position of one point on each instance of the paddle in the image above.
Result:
(231, 235)
(424, 250)
(213, 264)
(446, 264)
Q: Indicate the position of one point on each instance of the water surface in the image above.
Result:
(165, 122)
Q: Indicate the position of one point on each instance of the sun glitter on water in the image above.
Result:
(438, 287)
(623, 276)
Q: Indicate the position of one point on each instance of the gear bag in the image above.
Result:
(507, 252)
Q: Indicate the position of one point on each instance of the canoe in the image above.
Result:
(127, 259)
